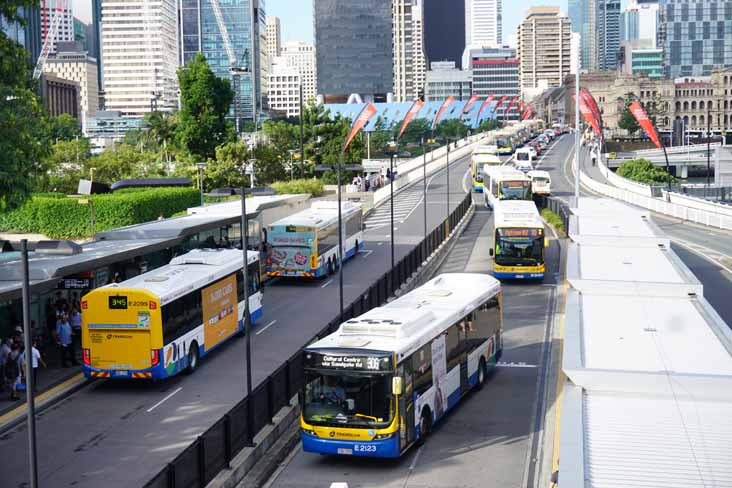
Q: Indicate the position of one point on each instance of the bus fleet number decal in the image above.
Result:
(364, 448)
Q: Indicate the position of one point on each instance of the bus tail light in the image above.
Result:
(84, 305)
(85, 356)
(155, 357)
(153, 305)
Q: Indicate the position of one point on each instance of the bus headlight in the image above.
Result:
(309, 432)
(381, 437)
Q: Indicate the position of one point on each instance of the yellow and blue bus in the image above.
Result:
(160, 323)
(380, 383)
(504, 183)
(506, 143)
(482, 156)
(519, 241)
(305, 244)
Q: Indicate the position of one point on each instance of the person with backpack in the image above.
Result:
(13, 371)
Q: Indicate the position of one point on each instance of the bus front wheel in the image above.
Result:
(482, 374)
(330, 267)
(192, 358)
(425, 426)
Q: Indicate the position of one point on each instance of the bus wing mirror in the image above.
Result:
(546, 242)
(396, 385)
(490, 252)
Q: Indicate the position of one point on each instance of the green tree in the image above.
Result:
(627, 120)
(205, 101)
(416, 130)
(122, 161)
(452, 128)
(65, 166)
(270, 165)
(644, 171)
(64, 127)
(24, 135)
(161, 131)
(225, 170)
(488, 125)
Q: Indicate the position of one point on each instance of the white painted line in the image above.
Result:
(366, 253)
(380, 244)
(704, 252)
(416, 458)
(265, 327)
(326, 283)
(516, 365)
(164, 399)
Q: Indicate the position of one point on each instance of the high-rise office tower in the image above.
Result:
(140, 55)
(300, 56)
(28, 35)
(353, 43)
(695, 36)
(639, 22)
(444, 31)
(72, 62)
(408, 50)
(274, 37)
(598, 23)
(200, 32)
(483, 23)
(544, 50)
(65, 28)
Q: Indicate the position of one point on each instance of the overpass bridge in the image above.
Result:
(681, 157)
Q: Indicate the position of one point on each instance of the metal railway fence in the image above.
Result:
(213, 450)
(555, 205)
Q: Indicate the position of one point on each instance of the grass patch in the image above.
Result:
(553, 219)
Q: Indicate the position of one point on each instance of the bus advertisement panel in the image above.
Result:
(292, 250)
(220, 311)
(381, 382)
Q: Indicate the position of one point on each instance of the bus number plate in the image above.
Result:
(345, 450)
(364, 448)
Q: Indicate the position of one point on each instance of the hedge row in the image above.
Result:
(312, 186)
(64, 218)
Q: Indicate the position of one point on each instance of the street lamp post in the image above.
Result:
(393, 151)
(246, 317)
(292, 164)
(302, 136)
(201, 167)
(30, 375)
(251, 174)
(447, 168)
(424, 182)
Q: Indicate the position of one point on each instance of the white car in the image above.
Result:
(526, 153)
(541, 182)
(523, 165)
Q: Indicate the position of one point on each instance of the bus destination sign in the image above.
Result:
(118, 302)
(347, 362)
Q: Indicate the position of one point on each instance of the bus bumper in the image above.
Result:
(388, 448)
(518, 276)
(478, 188)
(154, 373)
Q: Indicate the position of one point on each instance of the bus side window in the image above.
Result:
(422, 368)
(239, 286)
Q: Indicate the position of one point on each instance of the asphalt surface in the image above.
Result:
(487, 440)
(120, 434)
(705, 250)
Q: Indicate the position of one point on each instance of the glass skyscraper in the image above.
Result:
(28, 36)
(598, 23)
(199, 32)
(696, 36)
(353, 48)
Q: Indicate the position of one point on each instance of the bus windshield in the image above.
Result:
(339, 399)
(515, 190)
(517, 246)
(503, 142)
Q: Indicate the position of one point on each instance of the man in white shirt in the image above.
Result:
(35, 360)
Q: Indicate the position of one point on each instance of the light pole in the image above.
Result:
(393, 151)
(577, 136)
(251, 169)
(201, 167)
(246, 317)
(424, 181)
(30, 372)
(292, 164)
(302, 136)
(447, 168)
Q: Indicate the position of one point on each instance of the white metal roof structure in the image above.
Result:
(648, 396)
(403, 325)
(255, 204)
(187, 272)
(516, 213)
(320, 214)
(599, 221)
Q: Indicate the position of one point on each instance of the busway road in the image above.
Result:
(490, 438)
(705, 250)
(119, 434)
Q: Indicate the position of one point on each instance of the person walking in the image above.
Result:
(36, 359)
(64, 338)
(13, 371)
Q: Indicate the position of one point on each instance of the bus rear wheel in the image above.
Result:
(330, 267)
(192, 358)
(482, 374)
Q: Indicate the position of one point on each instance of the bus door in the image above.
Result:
(406, 406)
(466, 326)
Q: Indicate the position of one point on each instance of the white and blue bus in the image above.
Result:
(381, 382)
(162, 322)
(305, 244)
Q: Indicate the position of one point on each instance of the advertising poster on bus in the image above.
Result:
(439, 370)
(290, 249)
(220, 311)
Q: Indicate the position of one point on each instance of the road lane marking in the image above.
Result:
(326, 283)
(366, 253)
(164, 399)
(416, 458)
(516, 365)
(265, 327)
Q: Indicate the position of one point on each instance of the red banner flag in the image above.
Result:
(642, 117)
(510, 105)
(500, 102)
(470, 103)
(527, 113)
(521, 107)
(363, 118)
(444, 106)
(484, 105)
(413, 111)
(587, 97)
(589, 117)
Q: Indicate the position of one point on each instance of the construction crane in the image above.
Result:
(235, 70)
(50, 38)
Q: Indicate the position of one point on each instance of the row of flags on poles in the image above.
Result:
(524, 109)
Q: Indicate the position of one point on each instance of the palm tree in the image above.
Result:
(160, 130)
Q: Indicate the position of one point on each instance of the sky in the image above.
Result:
(296, 16)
